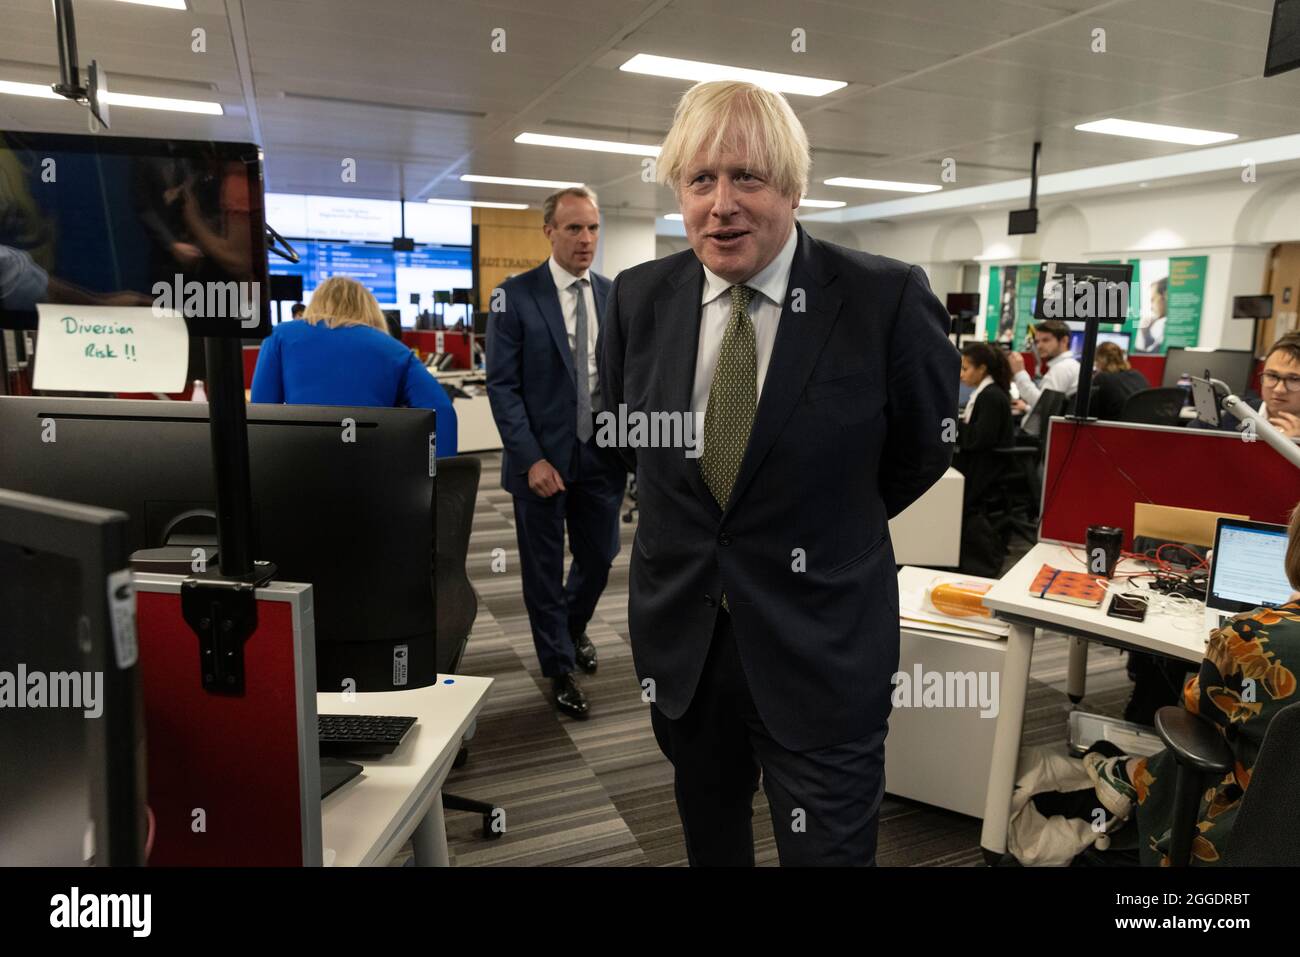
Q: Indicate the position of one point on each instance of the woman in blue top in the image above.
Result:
(340, 353)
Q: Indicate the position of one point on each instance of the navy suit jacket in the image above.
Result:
(531, 382)
(855, 422)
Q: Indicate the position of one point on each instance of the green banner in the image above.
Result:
(1011, 301)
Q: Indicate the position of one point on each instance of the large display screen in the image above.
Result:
(394, 277)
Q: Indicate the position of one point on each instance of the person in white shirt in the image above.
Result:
(1052, 343)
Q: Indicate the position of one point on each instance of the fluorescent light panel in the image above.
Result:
(169, 4)
(1155, 131)
(822, 203)
(477, 202)
(882, 184)
(517, 181)
(675, 217)
(578, 143)
(697, 70)
(114, 98)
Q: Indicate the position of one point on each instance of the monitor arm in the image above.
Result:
(1218, 393)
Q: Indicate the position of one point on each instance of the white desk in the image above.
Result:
(476, 429)
(928, 532)
(399, 797)
(1010, 598)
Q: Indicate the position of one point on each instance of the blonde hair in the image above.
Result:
(340, 301)
(721, 115)
(1110, 358)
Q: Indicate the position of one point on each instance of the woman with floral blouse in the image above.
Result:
(1247, 676)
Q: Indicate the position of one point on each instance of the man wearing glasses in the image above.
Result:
(1279, 385)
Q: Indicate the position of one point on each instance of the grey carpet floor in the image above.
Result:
(599, 792)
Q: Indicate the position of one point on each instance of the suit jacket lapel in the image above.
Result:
(800, 337)
(677, 317)
(547, 298)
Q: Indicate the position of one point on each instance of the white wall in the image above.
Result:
(625, 240)
(1235, 224)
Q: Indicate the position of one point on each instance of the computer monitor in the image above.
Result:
(1248, 568)
(1283, 38)
(1252, 307)
(394, 319)
(99, 220)
(1231, 366)
(1121, 339)
(1084, 291)
(963, 305)
(343, 498)
(73, 767)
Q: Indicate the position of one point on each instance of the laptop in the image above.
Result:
(1247, 571)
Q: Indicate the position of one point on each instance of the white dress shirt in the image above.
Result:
(569, 307)
(1062, 375)
(970, 403)
(764, 312)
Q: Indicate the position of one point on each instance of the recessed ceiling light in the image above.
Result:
(169, 4)
(114, 98)
(675, 217)
(882, 184)
(822, 203)
(518, 181)
(578, 143)
(697, 70)
(477, 202)
(1156, 131)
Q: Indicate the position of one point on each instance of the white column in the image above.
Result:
(626, 239)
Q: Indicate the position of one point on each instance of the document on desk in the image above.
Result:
(917, 612)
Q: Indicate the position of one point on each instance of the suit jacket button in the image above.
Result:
(708, 600)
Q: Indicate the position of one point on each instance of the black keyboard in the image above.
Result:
(361, 734)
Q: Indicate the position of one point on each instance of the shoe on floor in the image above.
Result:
(569, 697)
(584, 653)
(1115, 793)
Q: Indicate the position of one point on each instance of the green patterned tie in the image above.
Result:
(733, 398)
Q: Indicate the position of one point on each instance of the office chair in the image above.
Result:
(458, 478)
(1014, 509)
(1266, 831)
(1154, 406)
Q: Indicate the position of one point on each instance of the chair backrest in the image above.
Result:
(1267, 829)
(1050, 403)
(1154, 406)
(458, 478)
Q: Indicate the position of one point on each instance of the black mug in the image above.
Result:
(1103, 546)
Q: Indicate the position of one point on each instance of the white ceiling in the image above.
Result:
(412, 90)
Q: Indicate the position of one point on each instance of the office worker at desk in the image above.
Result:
(1052, 344)
(1247, 676)
(1278, 398)
(1114, 382)
(340, 353)
(763, 595)
(544, 389)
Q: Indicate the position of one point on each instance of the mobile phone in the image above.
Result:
(1130, 609)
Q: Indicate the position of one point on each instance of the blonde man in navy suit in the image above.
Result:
(543, 338)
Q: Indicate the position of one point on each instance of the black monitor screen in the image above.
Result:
(102, 221)
(1283, 38)
(1231, 366)
(1252, 307)
(1083, 291)
(964, 305)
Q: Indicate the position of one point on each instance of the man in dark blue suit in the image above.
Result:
(543, 339)
(763, 606)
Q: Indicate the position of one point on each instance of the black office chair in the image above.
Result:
(458, 478)
(1267, 829)
(1154, 407)
(1014, 506)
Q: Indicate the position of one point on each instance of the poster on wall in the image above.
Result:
(1165, 305)
(1011, 302)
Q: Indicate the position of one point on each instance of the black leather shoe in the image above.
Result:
(569, 697)
(584, 653)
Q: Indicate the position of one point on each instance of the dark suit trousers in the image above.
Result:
(589, 506)
(825, 803)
